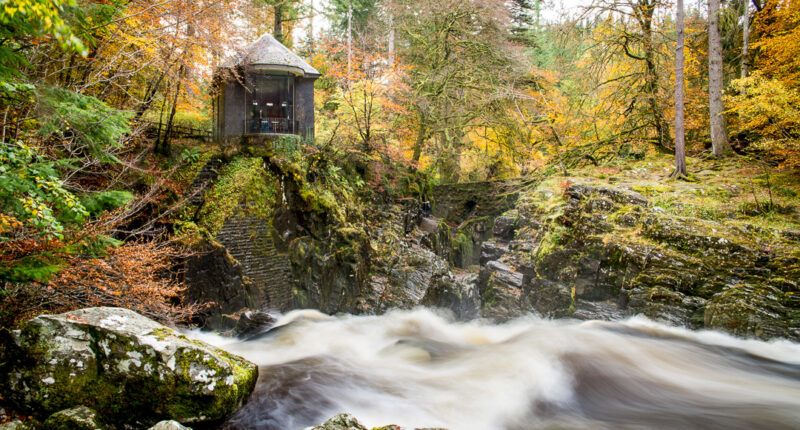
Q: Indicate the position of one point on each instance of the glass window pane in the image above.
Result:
(270, 104)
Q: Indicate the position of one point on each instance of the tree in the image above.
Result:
(283, 12)
(719, 132)
(48, 134)
(24, 25)
(362, 15)
(629, 32)
(745, 61)
(459, 59)
(777, 41)
(768, 112)
(358, 92)
(680, 139)
(643, 11)
(524, 14)
(22, 22)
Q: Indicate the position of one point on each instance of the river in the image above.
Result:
(419, 368)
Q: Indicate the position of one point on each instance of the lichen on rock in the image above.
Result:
(341, 422)
(78, 418)
(168, 425)
(128, 368)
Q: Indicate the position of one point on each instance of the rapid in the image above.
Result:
(419, 368)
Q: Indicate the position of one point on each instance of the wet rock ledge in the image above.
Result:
(349, 422)
(113, 368)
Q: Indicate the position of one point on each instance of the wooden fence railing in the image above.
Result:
(177, 131)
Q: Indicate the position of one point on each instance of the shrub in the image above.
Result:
(137, 276)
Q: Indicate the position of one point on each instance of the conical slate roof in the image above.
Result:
(266, 52)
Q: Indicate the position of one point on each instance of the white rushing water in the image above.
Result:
(420, 369)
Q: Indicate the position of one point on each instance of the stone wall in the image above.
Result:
(241, 267)
(459, 202)
(249, 241)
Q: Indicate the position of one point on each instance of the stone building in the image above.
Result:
(266, 90)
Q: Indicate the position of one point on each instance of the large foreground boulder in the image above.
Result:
(133, 371)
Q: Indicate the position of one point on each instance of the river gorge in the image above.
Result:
(509, 305)
(399, 215)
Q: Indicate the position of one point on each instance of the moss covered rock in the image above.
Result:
(606, 252)
(341, 422)
(14, 425)
(128, 368)
(79, 418)
(349, 422)
(747, 310)
(168, 425)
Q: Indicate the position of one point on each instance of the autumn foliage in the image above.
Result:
(769, 113)
(779, 42)
(412, 93)
(137, 276)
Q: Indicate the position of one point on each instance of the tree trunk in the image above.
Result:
(391, 39)
(651, 77)
(349, 39)
(311, 30)
(277, 25)
(161, 119)
(449, 159)
(680, 140)
(150, 94)
(165, 141)
(67, 72)
(420, 141)
(719, 132)
(745, 39)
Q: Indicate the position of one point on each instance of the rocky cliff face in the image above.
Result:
(413, 264)
(606, 252)
(575, 247)
(277, 246)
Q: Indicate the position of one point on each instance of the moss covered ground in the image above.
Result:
(734, 190)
